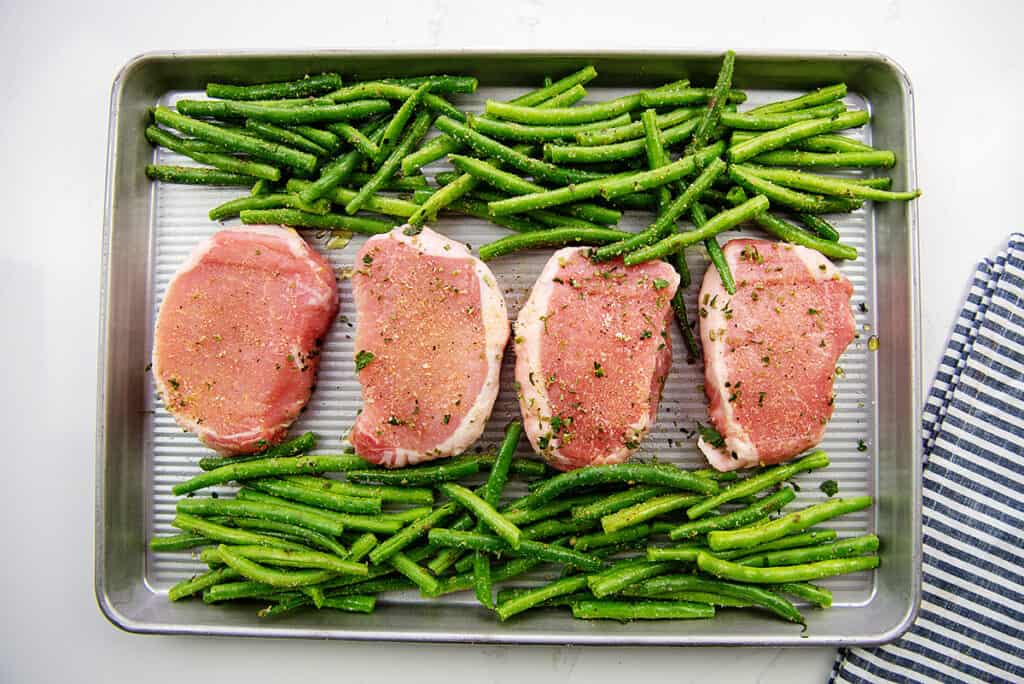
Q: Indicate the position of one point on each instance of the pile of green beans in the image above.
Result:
(631, 541)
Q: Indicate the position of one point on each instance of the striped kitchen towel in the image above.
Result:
(971, 623)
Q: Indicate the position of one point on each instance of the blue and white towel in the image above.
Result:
(971, 623)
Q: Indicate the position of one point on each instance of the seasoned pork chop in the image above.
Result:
(430, 334)
(592, 354)
(238, 335)
(770, 351)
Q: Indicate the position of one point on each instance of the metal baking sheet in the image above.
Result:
(150, 228)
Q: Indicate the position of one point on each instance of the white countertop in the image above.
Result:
(59, 60)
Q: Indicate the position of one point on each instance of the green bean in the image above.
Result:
(235, 207)
(820, 226)
(828, 185)
(808, 592)
(286, 558)
(405, 495)
(224, 162)
(787, 524)
(394, 128)
(410, 534)
(293, 116)
(846, 547)
(325, 139)
(606, 505)
(484, 512)
(790, 233)
(831, 143)
(560, 116)
(522, 132)
(390, 206)
(713, 113)
(342, 169)
(260, 187)
(393, 91)
(428, 585)
(403, 184)
(546, 529)
(780, 137)
(264, 511)
(417, 129)
(820, 96)
(303, 87)
(442, 198)
(440, 83)
(624, 574)
(767, 122)
(307, 536)
(231, 591)
(717, 224)
(705, 597)
(534, 98)
(778, 194)
(610, 187)
(679, 307)
(221, 533)
(353, 136)
(351, 604)
(674, 97)
(365, 523)
(784, 573)
(514, 185)
(555, 237)
(852, 160)
(361, 547)
(269, 576)
(513, 568)
(625, 472)
(593, 154)
(599, 540)
(282, 135)
(745, 516)
(624, 611)
(524, 516)
(551, 553)
(759, 482)
(302, 219)
(196, 584)
(646, 510)
(233, 141)
(374, 586)
(688, 552)
(447, 557)
(684, 553)
(321, 498)
(715, 253)
(478, 208)
(291, 447)
(492, 148)
(420, 475)
(635, 130)
(669, 584)
(534, 597)
(191, 175)
(178, 542)
(564, 600)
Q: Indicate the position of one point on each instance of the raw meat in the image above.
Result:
(238, 336)
(592, 355)
(430, 334)
(771, 350)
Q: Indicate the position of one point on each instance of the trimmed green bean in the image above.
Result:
(670, 584)
(440, 83)
(260, 187)
(196, 584)
(420, 475)
(410, 533)
(305, 535)
(269, 576)
(390, 206)
(820, 96)
(178, 542)
(235, 207)
(393, 91)
(221, 533)
(342, 169)
(442, 198)
(709, 120)
(720, 222)
(361, 547)
(232, 591)
(652, 508)
(685, 201)
(525, 133)
(365, 523)
(405, 495)
(811, 593)
(393, 130)
(524, 516)
(291, 447)
(218, 159)
(302, 219)
(675, 97)
(827, 185)
(534, 597)
(274, 133)
(595, 154)
(286, 558)
(624, 472)
(374, 586)
(320, 498)
(192, 175)
(291, 116)
(325, 139)
(841, 549)
(351, 604)
(353, 136)
(560, 116)
(233, 141)
(820, 226)
(787, 524)
(417, 129)
(254, 509)
(600, 540)
(715, 253)
(484, 512)
(688, 552)
(610, 187)
(304, 87)
(635, 130)
(745, 516)
(679, 307)
(624, 574)
(606, 505)
(554, 237)
(513, 568)
(851, 160)
(478, 208)
(778, 194)
(546, 529)
(759, 482)
(789, 233)
(428, 585)
(767, 122)
(624, 611)
(828, 142)
(492, 148)
(780, 137)
(784, 573)
(551, 553)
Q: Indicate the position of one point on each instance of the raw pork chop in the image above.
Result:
(770, 350)
(592, 354)
(238, 335)
(431, 330)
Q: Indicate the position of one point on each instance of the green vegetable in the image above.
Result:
(784, 573)
(555, 237)
(416, 573)
(820, 226)
(745, 516)
(366, 523)
(302, 534)
(830, 143)
(827, 185)
(596, 154)
(534, 597)
(417, 129)
(780, 137)
(178, 542)
(818, 97)
(405, 495)
(605, 539)
(624, 574)
(670, 584)
(484, 512)
(808, 592)
(325, 139)
(351, 604)
(194, 585)
(292, 116)
(341, 169)
(602, 111)
(235, 207)
(715, 253)
(420, 475)
(607, 505)
(521, 132)
(393, 91)
(353, 136)
(253, 509)
(765, 122)
(304, 87)
(794, 522)
(313, 497)
(778, 194)
(852, 160)
(679, 306)
(846, 547)
(616, 134)
(551, 553)
(283, 135)
(191, 175)
(391, 206)
(442, 198)
(625, 472)
(442, 83)
(224, 162)
(702, 135)
(301, 219)
(286, 558)
(361, 547)
(829, 487)
(410, 534)
(674, 97)
(625, 611)
(646, 510)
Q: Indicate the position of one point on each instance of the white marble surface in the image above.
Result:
(59, 60)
